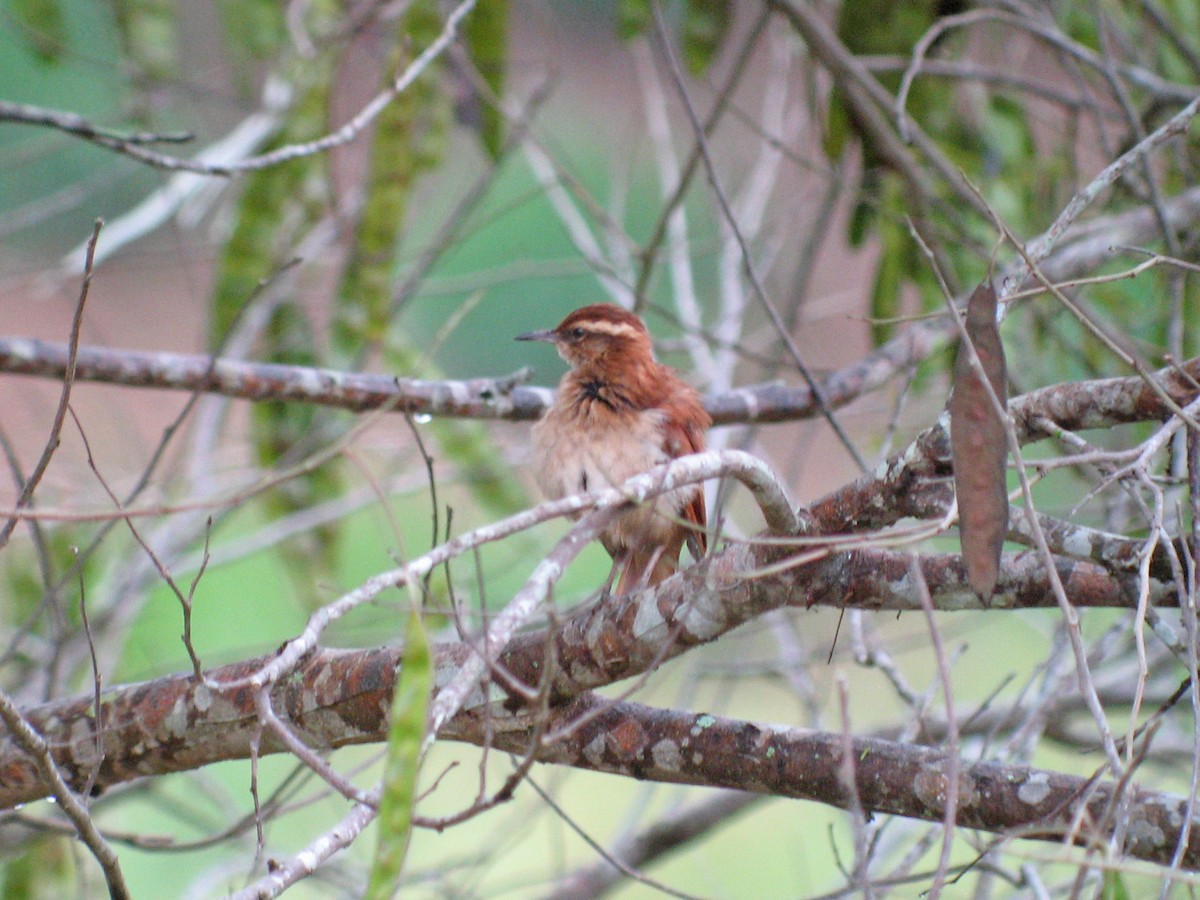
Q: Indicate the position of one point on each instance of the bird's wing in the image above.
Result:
(686, 420)
(695, 512)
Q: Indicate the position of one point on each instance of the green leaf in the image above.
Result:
(883, 26)
(705, 24)
(254, 28)
(43, 27)
(409, 138)
(1114, 887)
(486, 35)
(896, 262)
(837, 126)
(42, 867)
(148, 34)
(406, 731)
(885, 293)
(633, 18)
(276, 205)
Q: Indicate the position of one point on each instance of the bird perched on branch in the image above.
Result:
(619, 412)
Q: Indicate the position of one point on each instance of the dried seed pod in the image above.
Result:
(979, 446)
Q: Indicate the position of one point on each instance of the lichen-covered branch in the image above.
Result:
(907, 484)
(890, 777)
(338, 698)
(1071, 405)
(480, 398)
(179, 723)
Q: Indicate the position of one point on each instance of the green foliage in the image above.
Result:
(410, 138)
(26, 588)
(986, 135)
(897, 259)
(705, 24)
(634, 17)
(486, 37)
(148, 36)
(1175, 65)
(43, 869)
(835, 137)
(879, 27)
(406, 731)
(281, 425)
(1005, 163)
(254, 29)
(277, 203)
(1114, 887)
(278, 206)
(43, 27)
(283, 433)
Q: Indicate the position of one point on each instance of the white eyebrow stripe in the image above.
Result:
(616, 329)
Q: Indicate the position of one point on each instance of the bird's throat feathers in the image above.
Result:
(617, 382)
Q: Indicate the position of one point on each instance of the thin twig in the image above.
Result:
(345, 134)
(70, 803)
(747, 257)
(60, 414)
(950, 774)
(185, 600)
(97, 686)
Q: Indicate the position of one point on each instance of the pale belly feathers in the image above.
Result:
(612, 453)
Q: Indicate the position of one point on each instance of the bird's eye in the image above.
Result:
(577, 333)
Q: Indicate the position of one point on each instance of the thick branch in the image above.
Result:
(906, 485)
(478, 398)
(340, 697)
(897, 778)
(504, 398)
(168, 725)
(177, 723)
(628, 636)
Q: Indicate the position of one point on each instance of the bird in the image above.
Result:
(619, 412)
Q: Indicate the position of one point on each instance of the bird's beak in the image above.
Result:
(548, 335)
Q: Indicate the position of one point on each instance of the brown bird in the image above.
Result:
(618, 413)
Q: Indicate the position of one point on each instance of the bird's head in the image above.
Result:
(598, 337)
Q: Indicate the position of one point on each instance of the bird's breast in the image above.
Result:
(590, 447)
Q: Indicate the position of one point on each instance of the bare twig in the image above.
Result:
(747, 257)
(20, 731)
(73, 124)
(185, 600)
(60, 414)
(673, 832)
(949, 820)
(1039, 249)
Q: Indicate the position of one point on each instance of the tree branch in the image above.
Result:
(506, 398)
(903, 779)
(503, 398)
(337, 698)
(78, 126)
(332, 701)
